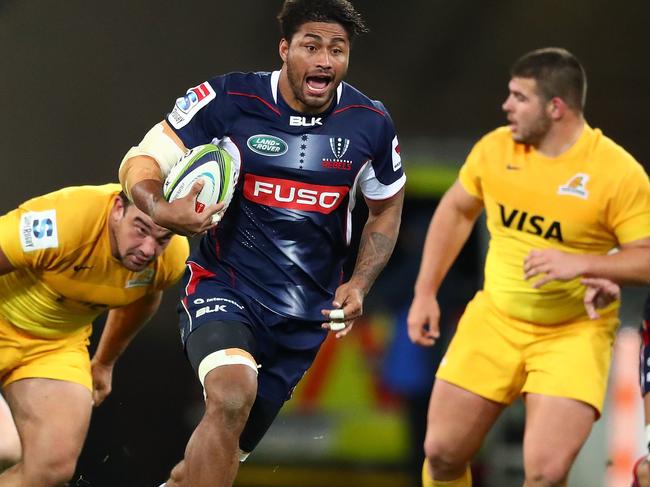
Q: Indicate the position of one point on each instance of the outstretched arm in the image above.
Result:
(375, 248)
(122, 325)
(450, 228)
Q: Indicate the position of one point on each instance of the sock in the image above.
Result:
(427, 481)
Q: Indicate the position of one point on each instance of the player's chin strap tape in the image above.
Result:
(157, 145)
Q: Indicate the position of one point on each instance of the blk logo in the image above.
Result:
(297, 121)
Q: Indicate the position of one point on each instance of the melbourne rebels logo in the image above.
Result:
(284, 193)
(339, 147)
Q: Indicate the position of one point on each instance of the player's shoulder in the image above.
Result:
(176, 253)
(79, 202)
(499, 137)
(73, 216)
(496, 144)
(604, 149)
(355, 102)
(239, 82)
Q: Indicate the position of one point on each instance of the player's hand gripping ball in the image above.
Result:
(211, 164)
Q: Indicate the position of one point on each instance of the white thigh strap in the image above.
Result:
(230, 356)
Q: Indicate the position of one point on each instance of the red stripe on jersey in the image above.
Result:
(645, 333)
(197, 273)
(284, 193)
(336, 112)
(248, 95)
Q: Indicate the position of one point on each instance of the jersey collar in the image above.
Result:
(275, 82)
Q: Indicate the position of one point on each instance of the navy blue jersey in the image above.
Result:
(285, 235)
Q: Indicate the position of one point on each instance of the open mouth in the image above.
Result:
(318, 84)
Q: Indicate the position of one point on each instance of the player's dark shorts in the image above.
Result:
(284, 347)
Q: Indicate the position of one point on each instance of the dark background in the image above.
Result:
(81, 81)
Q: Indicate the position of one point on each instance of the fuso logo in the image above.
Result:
(284, 193)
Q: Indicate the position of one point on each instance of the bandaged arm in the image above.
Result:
(152, 158)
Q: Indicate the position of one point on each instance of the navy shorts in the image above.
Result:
(284, 347)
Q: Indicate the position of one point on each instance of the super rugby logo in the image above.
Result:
(284, 193)
(187, 106)
(267, 145)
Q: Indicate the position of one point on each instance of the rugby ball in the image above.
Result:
(209, 163)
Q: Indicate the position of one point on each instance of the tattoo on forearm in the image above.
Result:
(374, 251)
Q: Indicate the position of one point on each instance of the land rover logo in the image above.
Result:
(267, 145)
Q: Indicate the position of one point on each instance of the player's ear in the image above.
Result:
(557, 108)
(283, 49)
(118, 208)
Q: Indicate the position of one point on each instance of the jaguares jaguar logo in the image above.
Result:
(530, 223)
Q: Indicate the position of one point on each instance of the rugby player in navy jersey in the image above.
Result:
(261, 283)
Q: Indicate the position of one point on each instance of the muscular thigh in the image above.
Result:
(51, 416)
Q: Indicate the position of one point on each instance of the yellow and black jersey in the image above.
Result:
(590, 199)
(65, 273)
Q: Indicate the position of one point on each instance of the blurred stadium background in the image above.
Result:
(81, 81)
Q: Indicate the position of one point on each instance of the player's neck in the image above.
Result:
(562, 136)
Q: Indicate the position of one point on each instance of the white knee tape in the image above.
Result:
(232, 356)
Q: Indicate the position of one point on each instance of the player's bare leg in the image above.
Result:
(52, 417)
(556, 429)
(458, 421)
(212, 454)
(9, 439)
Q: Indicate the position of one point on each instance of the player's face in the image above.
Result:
(315, 63)
(527, 111)
(136, 240)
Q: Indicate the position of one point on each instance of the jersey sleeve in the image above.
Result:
(172, 262)
(384, 176)
(198, 116)
(29, 235)
(470, 172)
(629, 211)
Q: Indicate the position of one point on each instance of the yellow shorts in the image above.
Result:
(499, 357)
(26, 356)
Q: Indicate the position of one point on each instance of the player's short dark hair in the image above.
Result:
(295, 13)
(557, 73)
(125, 199)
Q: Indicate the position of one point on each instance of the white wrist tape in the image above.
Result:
(159, 146)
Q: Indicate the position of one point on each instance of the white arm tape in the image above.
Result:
(159, 146)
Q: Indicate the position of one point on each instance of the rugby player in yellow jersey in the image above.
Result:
(66, 257)
(547, 181)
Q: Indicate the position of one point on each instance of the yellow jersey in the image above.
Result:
(65, 272)
(590, 199)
